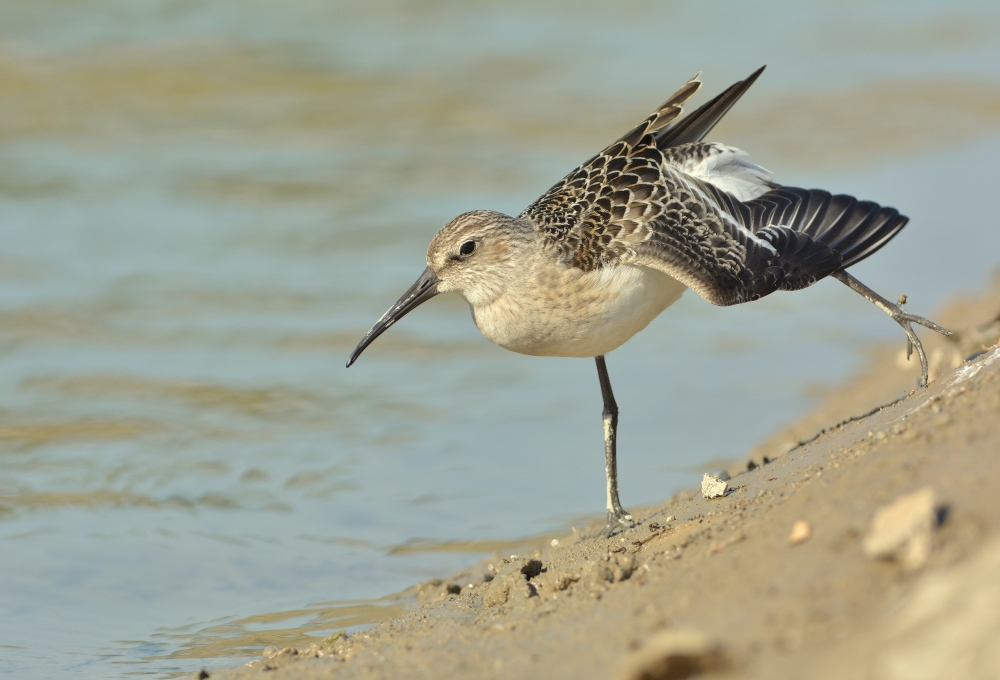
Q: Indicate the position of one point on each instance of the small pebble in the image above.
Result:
(675, 654)
(723, 475)
(555, 542)
(901, 530)
(801, 531)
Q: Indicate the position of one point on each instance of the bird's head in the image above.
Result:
(477, 255)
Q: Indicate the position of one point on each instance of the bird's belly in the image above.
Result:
(576, 314)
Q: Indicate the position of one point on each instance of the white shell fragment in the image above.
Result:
(713, 487)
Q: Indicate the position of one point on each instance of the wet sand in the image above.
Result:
(782, 577)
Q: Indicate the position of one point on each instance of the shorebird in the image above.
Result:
(618, 240)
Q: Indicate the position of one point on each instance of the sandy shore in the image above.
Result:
(793, 573)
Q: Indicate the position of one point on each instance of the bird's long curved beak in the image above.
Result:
(423, 290)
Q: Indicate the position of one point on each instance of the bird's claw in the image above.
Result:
(617, 519)
(904, 319)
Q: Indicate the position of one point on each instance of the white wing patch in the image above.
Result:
(728, 168)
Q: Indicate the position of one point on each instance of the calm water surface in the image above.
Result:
(203, 206)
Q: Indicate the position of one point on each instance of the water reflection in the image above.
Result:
(204, 205)
(304, 626)
(293, 628)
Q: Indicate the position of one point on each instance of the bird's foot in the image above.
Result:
(904, 319)
(618, 519)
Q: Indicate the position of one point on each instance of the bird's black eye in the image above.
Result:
(468, 248)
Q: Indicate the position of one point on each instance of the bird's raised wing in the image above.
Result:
(703, 213)
(632, 204)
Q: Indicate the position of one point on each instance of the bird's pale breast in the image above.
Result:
(565, 312)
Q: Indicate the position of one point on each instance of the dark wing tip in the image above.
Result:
(700, 122)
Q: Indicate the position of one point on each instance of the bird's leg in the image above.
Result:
(904, 319)
(617, 517)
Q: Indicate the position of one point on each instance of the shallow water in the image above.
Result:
(203, 206)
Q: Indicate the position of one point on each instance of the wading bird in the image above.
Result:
(618, 240)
